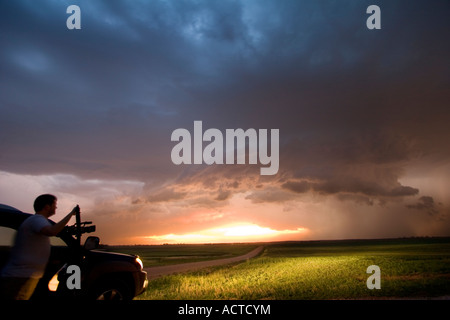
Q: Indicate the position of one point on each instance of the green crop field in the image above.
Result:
(162, 255)
(316, 270)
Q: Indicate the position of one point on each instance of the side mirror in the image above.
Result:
(91, 243)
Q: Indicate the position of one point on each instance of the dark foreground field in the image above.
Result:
(410, 268)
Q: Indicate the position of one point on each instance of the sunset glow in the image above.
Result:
(232, 233)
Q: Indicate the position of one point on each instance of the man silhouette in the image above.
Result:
(31, 250)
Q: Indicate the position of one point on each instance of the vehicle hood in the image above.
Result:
(99, 255)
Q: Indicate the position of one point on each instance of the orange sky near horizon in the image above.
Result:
(122, 219)
(227, 234)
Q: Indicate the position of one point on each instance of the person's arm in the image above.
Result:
(53, 230)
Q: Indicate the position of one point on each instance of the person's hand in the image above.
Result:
(75, 210)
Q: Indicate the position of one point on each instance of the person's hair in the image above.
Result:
(42, 201)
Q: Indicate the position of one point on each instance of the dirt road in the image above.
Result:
(156, 272)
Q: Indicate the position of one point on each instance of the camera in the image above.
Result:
(83, 228)
(79, 227)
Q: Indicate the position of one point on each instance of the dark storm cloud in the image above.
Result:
(353, 106)
(425, 203)
(366, 165)
(355, 186)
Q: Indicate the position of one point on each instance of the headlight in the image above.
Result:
(139, 262)
(53, 283)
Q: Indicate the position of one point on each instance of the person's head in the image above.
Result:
(45, 204)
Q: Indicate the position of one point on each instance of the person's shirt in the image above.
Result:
(31, 250)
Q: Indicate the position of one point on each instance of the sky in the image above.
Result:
(88, 115)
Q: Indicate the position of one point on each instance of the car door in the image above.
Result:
(7, 236)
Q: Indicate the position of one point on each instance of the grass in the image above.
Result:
(319, 270)
(162, 255)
